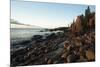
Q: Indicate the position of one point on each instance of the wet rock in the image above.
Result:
(26, 42)
(51, 36)
(37, 38)
(20, 51)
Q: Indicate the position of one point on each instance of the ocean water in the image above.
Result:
(20, 34)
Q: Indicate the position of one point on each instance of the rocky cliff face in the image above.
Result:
(61, 47)
(76, 26)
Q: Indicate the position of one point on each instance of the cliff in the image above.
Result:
(83, 24)
(76, 26)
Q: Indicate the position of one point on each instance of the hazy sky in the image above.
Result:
(48, 15)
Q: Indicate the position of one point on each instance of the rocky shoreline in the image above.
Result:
(75, 44)
(56, 48)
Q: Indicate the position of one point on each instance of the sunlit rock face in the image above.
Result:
(87, 23)
(76, 26)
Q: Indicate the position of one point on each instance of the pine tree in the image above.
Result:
(86, 18)
(87, 11)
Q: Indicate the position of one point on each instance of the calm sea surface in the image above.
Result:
(19, 34)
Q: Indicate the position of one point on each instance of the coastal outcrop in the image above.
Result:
(75, 44)
(77, 25)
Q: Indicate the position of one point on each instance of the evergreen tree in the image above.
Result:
(87, 11)
(86, 19)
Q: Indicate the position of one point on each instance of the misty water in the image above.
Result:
(21, 34)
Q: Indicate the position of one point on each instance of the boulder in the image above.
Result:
(52, 35)
(78, 42)
(90, 55)
(37, 37)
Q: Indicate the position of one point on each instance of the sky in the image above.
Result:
(46, 15)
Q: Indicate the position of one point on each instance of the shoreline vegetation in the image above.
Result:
(75, 44)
